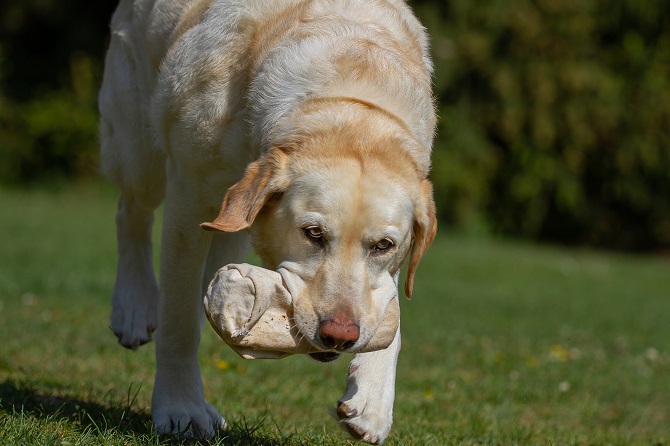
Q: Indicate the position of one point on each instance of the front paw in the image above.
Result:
(182, 412)
(366, 409)
(366, 417)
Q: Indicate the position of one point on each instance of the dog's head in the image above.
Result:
(336, 209)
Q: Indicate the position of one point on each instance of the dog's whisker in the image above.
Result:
(300, 339)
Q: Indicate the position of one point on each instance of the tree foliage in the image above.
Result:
(554, 114)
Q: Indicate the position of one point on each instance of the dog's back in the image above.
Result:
(238, 51)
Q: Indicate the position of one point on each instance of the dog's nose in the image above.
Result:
(339, 333)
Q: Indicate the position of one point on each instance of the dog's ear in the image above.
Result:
(425, 228)
(245, 199)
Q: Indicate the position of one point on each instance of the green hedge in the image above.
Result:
(50, 66)
(555, 118)
(54, 135)
(555, 114)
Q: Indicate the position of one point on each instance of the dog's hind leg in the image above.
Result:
(130, 161)
(135, 297)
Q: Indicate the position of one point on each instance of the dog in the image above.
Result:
(301, 127)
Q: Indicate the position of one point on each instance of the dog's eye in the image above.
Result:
(383, 246)
(314, 233)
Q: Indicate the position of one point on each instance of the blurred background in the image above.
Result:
(554, 114)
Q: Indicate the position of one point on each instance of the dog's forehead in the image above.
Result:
(345, 192)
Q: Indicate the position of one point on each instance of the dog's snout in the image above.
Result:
(339, 333)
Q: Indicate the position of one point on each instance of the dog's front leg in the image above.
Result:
(366, 409)
(178, 404)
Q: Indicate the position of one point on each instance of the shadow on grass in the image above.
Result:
(120, 418)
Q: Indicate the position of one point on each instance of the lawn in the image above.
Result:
(503, 343)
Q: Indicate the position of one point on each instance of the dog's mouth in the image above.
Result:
(324, 356)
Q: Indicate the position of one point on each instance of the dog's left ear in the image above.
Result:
(245, 199)
(425, 228)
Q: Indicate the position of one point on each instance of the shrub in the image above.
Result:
(555, 118)
(50, 63)
(555, 114)
(53, 135)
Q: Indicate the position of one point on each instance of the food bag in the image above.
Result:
(251, 310)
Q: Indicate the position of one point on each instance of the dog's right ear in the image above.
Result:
(244, 200)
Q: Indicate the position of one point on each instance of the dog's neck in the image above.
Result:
(345, 64)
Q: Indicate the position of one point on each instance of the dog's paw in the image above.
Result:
(366, 409)
(187, 418)
(365, 420)
(134, 310)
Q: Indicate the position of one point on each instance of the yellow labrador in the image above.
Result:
(312, 122)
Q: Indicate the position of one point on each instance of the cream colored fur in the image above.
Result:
(279, 116)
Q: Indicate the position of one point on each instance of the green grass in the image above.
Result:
(504, 343)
